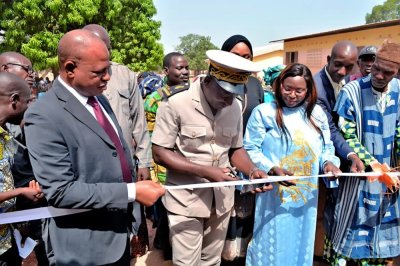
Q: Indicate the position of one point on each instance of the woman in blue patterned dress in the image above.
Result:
(289, 136)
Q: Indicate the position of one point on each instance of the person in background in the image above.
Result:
(79, 156)
(17, 64)
(35, 88)
(328, 81)
(21, 168)
(48, 81)
(254, 93)
(270, 75)
(149, 82)
(242, 220)
(43, 90)
(198, 137)
(176, 70)
(143, 75)
(363, 226)
(366, 58)
(125, 99)
(289, 136)
(14, 98)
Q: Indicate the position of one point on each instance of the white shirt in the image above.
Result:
(336, 86)
(382, 98)
(336, 89)
(83, 100)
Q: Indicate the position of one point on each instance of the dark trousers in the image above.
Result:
(161, 239)
(11, 257)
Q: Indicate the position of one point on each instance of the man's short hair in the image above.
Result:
(168, 58)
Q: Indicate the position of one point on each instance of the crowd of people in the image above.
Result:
(129, 146)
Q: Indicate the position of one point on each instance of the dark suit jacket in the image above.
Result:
(78, 167)
(255, 96)
(326, 99)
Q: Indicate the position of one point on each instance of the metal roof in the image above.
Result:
(269, 48)
(345, 30)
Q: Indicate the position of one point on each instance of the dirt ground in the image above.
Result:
(154, 257)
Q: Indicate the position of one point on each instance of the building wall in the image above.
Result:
(268, 60)
(313, 51)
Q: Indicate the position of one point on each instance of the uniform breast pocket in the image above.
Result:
(124, 100)
(227, 135)
(193, 136)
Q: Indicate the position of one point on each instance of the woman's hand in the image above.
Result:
(276, 170)
(32, 192)
(256, 173)
(329, 167)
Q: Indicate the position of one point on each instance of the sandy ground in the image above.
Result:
(154, 257)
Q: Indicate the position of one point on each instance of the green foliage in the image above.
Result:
(389, 10)
(194, 48)
(34, 27)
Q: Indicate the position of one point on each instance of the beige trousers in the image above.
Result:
(197, 241)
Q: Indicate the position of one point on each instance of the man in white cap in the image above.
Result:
(364, 223)
(197, 137)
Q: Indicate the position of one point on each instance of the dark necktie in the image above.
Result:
(109, 129)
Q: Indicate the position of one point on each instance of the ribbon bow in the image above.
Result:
(392, 182)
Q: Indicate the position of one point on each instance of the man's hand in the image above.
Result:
(217, 174)
(148, 192)
(143, 174)
(329, 167)
(357, 166)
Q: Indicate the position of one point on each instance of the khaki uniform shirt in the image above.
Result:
(186, 123)
(126, 101)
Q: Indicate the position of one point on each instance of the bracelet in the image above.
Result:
(252, 172)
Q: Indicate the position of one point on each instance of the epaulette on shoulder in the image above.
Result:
(167, 91)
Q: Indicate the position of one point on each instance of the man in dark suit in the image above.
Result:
(80, 158)
(328, 82)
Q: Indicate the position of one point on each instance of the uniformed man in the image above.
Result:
(176, 70)
(197, 137)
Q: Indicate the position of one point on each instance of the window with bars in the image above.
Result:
(291, 57)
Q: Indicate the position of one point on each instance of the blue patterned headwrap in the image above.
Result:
(150, 84)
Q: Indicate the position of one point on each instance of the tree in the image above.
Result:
(194, 48)
(389, 10)
(34, 27)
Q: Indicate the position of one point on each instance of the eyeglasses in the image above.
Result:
(287, 90)
(28, 69)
